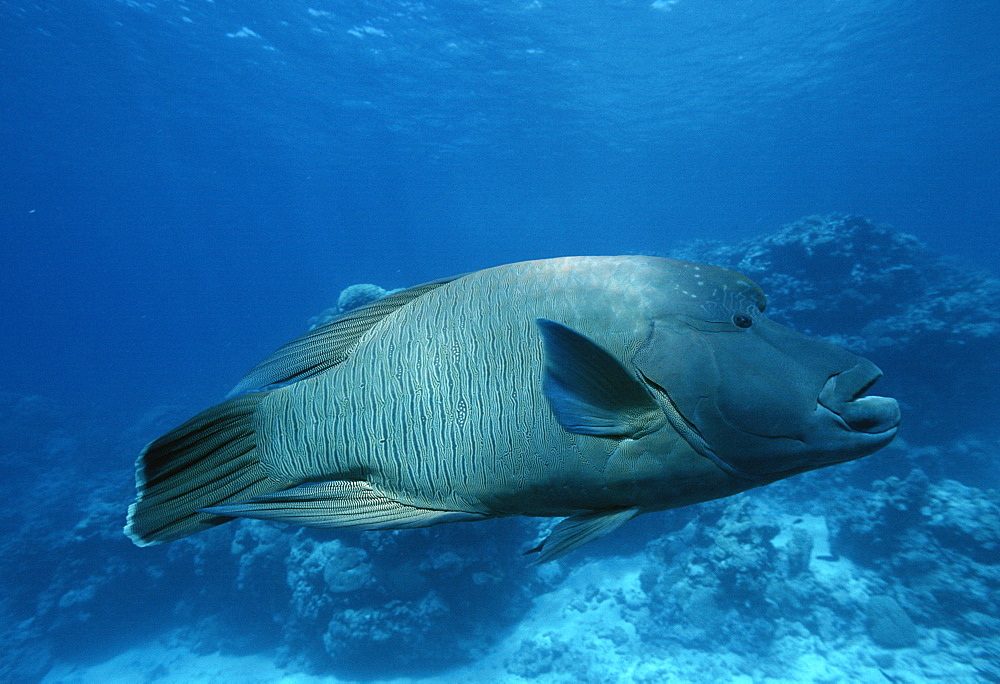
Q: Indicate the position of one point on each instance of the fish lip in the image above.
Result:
(867, 386)
(845, 396)
(888, 431)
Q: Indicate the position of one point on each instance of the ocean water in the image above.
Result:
(183, 185)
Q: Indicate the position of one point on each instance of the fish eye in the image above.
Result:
(742, 321)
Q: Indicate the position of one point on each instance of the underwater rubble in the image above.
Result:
(882, 570)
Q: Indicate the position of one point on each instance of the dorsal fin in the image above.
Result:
(328, 345)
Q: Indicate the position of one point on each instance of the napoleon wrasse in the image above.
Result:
(595, 388)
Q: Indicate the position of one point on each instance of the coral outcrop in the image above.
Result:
(886, 569)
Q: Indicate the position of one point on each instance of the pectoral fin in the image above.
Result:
(339, 504)
(590, 391)
(575, 531)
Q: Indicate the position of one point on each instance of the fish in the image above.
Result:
(593, 389)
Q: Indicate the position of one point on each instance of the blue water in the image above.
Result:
(183, 184)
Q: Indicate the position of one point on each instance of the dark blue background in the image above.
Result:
(177, 201)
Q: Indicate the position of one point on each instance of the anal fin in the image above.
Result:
(339, 504)
(577, 530)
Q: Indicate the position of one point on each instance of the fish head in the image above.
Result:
(768, 401)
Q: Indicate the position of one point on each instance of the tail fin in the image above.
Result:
(209, 460)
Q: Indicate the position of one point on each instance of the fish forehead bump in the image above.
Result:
(705, 289)
(609, 279)
(670, 285)
(614, 294)
(654, 286)
(633, 270)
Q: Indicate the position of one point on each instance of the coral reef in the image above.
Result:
(886, 569)
(764, 586)
(940, 541)
(350, 298)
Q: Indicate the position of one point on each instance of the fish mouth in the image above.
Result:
(845, 395)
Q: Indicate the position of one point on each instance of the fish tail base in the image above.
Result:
(209, 460)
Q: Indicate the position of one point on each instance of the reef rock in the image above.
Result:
(889, 625)
(350, 298)
(938, 540)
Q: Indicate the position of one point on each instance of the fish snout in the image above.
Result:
(844, 394)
